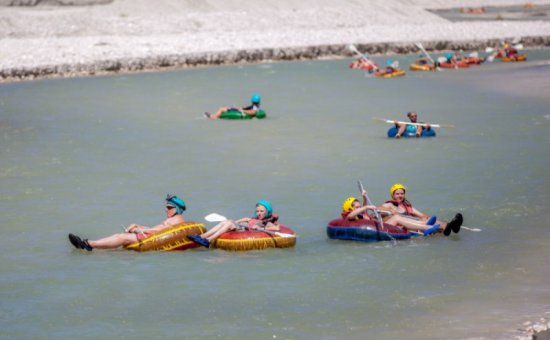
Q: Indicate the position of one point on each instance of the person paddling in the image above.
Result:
(250, 110)
(175, 207)
(416, 129)
(399, 205)
(263, 218)
(352, 210)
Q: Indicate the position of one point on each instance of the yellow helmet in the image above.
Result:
(347, 206)
(397, 186)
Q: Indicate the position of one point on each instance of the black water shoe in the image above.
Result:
(458, 220)
(78, 243)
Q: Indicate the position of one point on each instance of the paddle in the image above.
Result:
(415, 124)
(361, 189)
(362, 56)
(470, 229)
(214, 217)
(419, 45)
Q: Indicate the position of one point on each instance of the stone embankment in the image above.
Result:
(177, 61)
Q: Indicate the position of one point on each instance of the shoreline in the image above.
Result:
(127, 36)
(165, 62)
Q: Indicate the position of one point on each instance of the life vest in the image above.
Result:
(406, 204)
(263, 222)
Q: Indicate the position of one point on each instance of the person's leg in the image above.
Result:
(408, 223)
(114, 241)
(221, 225)
(222, 229)
(219, 112)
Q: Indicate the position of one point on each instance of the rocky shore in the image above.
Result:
(41, 39)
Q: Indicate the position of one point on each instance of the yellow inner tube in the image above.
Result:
(173, 238)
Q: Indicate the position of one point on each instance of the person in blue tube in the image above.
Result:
(416, 129)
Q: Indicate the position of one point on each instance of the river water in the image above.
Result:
(90, 155)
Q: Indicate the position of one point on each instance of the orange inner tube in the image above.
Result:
(255, 240)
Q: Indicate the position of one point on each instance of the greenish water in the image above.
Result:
(89, 155)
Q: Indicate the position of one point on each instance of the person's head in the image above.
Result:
(397, 192)
(413, 116)
(174, 205)
(449, 56)
(256, 99)
(350, 204)
(264, 209)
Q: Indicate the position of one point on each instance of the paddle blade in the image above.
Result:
(489, 50)
(441, 59)
(474, 54)
(284, 235)
(518, 47)
(215, 218)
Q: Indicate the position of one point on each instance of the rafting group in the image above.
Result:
(508, 52)
(397, 218)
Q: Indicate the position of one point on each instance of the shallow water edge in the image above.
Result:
(181, 61)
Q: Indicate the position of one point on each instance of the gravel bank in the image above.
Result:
(133, 35)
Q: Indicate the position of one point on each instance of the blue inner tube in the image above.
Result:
(426, 133)
(365, 231)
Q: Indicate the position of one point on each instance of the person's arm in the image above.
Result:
(243, 220)
(272, 226)
(420, 215)
(169, 222)
(250, 110)
(364, 194)
(359, 211)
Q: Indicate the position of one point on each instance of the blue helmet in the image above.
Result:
(256, 99)
(176, 202)
(389, 62)
(448, 55)
(268, 208)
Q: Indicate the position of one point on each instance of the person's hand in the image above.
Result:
(131, 228)
(364, 193)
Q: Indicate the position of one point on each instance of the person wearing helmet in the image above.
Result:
(175, 207)
(352, 210)
(399, 205)
(416, 129)
(249, 110)
(263, 218)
